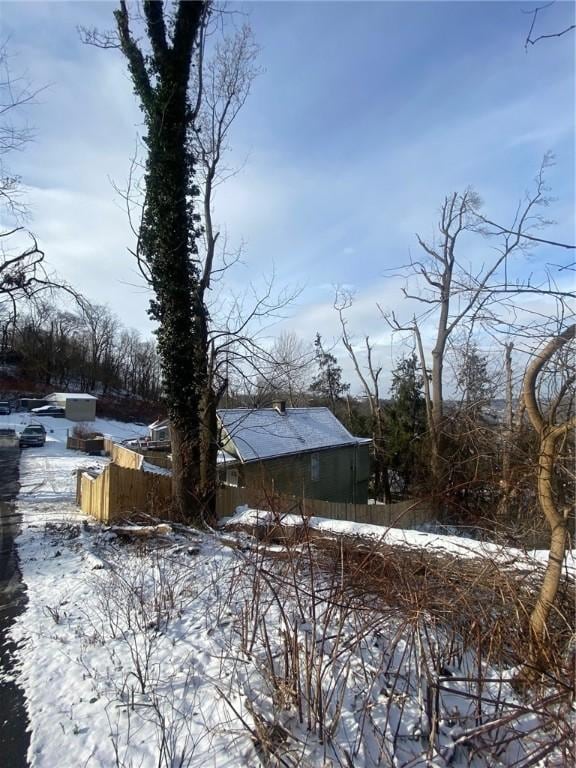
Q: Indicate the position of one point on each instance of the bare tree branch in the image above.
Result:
(534, 13)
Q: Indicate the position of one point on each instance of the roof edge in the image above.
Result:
(360, 441)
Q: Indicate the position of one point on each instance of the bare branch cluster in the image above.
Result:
(530, 39)
(23, 271)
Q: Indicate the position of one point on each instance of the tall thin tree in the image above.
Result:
(168, 234)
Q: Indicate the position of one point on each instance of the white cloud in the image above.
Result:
(339, 209)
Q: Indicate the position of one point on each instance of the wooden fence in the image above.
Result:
(121, 456)
(93, 445)
(126, 457)
(404, 514)
(119, 491)
(158, 459)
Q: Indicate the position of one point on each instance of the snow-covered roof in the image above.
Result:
(225, 458)
(158, 424)
(70, 396)
(265, 432)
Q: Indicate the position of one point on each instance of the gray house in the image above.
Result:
(295, 451)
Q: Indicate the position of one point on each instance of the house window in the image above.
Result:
(232, 477)
(315, 467)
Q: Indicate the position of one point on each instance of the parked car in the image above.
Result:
(8, 438)
(4, 408)
(50, 410)
(33, 434)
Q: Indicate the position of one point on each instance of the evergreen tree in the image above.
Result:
(405, 418)
(328, 384)
(474, 381)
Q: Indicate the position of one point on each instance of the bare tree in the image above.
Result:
(100, 326)
(369, 378)
(506, 480)
(24, 274)
(288, 373)
(453, 294)
(224, 80)
(551, 413)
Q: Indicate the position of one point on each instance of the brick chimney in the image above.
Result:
(279, 405)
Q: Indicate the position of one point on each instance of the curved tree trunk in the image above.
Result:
(558, 538)
(550, 436)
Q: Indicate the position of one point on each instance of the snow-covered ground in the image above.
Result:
(57, 429)
(48, 473)
(108, 681)
(457, 545)
(196, 652)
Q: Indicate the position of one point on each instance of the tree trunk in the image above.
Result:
(437, 465)
(209, 456)
(184, 473)
(506, 481)
(381, 478)
(558, 537)
(549, 437)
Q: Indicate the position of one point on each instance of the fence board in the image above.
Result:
(122, 456)
(158, 459)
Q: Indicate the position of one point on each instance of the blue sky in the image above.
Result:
(365, 117)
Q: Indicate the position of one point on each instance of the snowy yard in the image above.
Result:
(206, 650)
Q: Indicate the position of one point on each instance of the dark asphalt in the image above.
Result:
(14, 736)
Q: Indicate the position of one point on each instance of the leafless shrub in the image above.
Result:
(119, 723)
(381, 633)
(64, 529)
(84, 432)
(333, 651)
(171, 711)
(135, 601)
(54, 612)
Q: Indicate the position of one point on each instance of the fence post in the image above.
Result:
(78, 488)
(105, 496)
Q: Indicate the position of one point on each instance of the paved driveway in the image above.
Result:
(14, 738)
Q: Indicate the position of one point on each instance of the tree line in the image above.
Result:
(87, 349)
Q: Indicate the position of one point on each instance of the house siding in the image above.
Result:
(80, 410)
(343, 474)
(160, 434)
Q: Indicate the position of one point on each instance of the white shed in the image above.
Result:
(79, 406)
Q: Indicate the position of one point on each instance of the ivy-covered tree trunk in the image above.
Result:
(168, 231)
(209, 452)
